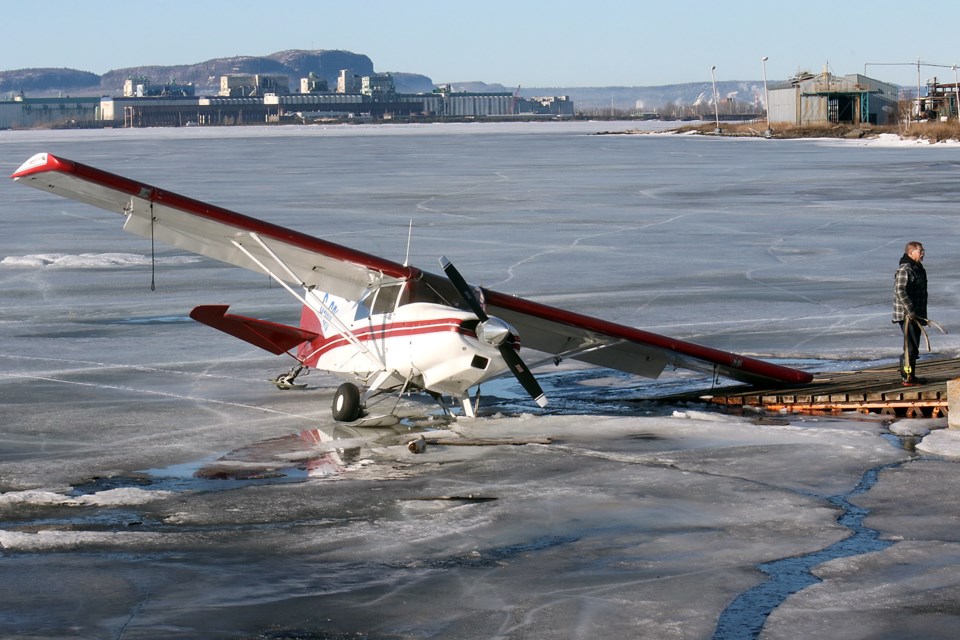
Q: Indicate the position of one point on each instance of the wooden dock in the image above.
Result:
(873, 390)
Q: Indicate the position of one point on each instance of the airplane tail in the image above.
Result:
(279, 338)
(310, 322)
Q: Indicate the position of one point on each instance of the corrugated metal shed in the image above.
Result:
(825, 99)
(32, 112)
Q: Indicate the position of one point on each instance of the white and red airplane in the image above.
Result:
(385, 326)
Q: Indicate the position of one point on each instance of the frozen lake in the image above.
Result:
(638, 520)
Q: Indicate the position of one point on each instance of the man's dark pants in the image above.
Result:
(911, 347)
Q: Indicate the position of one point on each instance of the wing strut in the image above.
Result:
(313, 302)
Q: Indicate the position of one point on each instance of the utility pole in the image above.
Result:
(716, 100)
(766, 98)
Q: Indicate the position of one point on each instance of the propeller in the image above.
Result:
(495, 332)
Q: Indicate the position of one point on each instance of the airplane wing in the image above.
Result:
(570, 335)
(213, 231)
(247, 242)
(607, 344)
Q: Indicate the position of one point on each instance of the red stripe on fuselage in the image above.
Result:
(317, 348)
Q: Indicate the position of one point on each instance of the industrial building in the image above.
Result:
(26, 113)
(141, 87)
(348, 82)
(940, 103)
(371, 96)
(242, 85)
(823, 99)
(182, 112)
(379, 86)
(546, 105)
(246, 99)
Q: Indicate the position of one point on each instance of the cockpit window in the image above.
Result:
(379, 300)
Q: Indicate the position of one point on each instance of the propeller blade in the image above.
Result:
(466, 292)
(522, 373)
(517, 367)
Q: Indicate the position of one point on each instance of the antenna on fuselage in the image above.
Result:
(406, 259)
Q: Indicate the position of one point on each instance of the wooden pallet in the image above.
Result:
(874, 390)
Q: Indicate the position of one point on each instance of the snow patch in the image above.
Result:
(108, 498)
(90, 260)
(33, 496)
(704, 416)
(62, 540)
(121, 497)
(895, 140)
(914, 427)
(942, 442)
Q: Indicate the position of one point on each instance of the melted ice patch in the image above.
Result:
(58, 539)
(61, 540)
(89, 260)
(705, 416)
(127, 496)
(941, 442)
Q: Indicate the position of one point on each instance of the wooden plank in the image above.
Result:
(874, 389)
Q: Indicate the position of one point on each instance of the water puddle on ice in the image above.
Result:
(745, 616)
(193, 476)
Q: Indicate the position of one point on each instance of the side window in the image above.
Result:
(385, 299)
(363, 305)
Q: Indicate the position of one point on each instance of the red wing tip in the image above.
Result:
(36, 163)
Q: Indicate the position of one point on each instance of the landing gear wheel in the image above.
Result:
(346, 403)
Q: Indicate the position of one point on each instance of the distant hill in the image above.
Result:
(47, 81)
(205, 76)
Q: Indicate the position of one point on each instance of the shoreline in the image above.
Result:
(920, 132)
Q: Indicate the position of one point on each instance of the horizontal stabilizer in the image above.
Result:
(269, 336)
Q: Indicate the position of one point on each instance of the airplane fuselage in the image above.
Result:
(432, 346)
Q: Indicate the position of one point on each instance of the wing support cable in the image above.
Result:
(128, 211)
(153, 254)
(313, 302)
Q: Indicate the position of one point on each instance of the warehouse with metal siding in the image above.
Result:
(826, 99)
(27, 113)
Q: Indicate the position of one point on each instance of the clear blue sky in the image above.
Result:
(530, 43)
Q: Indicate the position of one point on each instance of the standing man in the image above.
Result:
(910, 309)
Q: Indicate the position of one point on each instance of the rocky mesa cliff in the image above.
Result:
(205, 76)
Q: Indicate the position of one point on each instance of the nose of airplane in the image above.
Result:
(494, 331)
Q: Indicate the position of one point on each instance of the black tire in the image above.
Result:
(346, 403)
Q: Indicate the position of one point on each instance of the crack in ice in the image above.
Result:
(747, 614)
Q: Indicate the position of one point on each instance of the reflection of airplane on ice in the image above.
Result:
(386, 326)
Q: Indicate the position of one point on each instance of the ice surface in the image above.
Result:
(637, 520)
